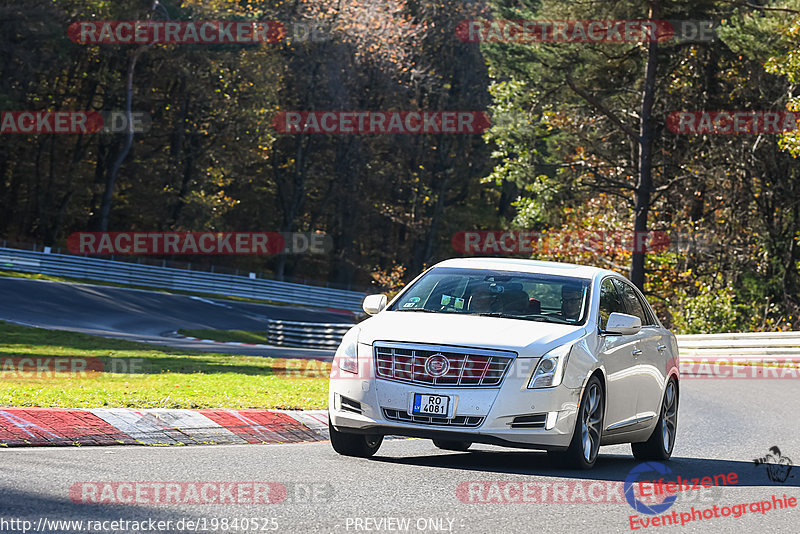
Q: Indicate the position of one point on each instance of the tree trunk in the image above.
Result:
(292, 196)
(645, 186)
(108, 194)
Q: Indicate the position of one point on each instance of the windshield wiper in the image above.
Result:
(543, 318)
(555, 319)
(416, 310)
(508, 316)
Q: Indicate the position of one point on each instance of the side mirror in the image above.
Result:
(374, 304)
(623, 324)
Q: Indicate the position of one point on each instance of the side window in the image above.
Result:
(610, 302)
(632, 302)
(648, 312)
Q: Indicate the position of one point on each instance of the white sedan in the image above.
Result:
(519, 353)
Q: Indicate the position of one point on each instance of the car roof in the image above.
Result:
(528, 266)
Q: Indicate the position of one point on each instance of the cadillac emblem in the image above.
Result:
(437, 365)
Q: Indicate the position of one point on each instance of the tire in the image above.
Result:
(662, 441)
(452, 445)
(358, 445)
(585, 444)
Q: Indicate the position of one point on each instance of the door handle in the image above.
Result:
(662, 348)
(636, 352)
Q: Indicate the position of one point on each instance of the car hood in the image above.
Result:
(527, 338)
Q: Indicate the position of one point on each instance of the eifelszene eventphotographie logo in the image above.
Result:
(778, 466)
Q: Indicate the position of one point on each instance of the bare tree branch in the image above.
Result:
(765, 8)
(602, 109)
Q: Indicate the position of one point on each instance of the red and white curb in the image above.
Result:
(20, 427)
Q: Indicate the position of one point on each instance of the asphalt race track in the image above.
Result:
(148, 316)
(410, 486)
(723, 426)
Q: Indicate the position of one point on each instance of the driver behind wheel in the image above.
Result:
(571, 297)
(484, 299)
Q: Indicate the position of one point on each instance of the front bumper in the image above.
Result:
(368, 405)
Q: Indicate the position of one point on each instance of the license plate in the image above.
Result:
(437, 405)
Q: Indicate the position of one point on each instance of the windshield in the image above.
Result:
(527, 296)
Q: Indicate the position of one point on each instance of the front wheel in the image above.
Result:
(585, 444)
(358, 445)
(661, 442)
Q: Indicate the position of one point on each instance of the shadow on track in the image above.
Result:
(608, 467)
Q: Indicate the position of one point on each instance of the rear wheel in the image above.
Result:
(585, 444)
(359, 445)
(661, 442)
(452, 445)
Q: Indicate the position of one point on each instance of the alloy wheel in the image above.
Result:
(669, 417)
(591, 421)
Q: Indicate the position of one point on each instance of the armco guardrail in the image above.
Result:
(756, 345)
(177, 279)
(750, 346)
(315, 335)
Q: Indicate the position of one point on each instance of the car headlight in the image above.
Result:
(550, 370)
(347, 353)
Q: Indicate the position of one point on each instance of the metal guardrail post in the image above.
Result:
(308, 335)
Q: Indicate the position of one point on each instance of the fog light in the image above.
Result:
(551, 420)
